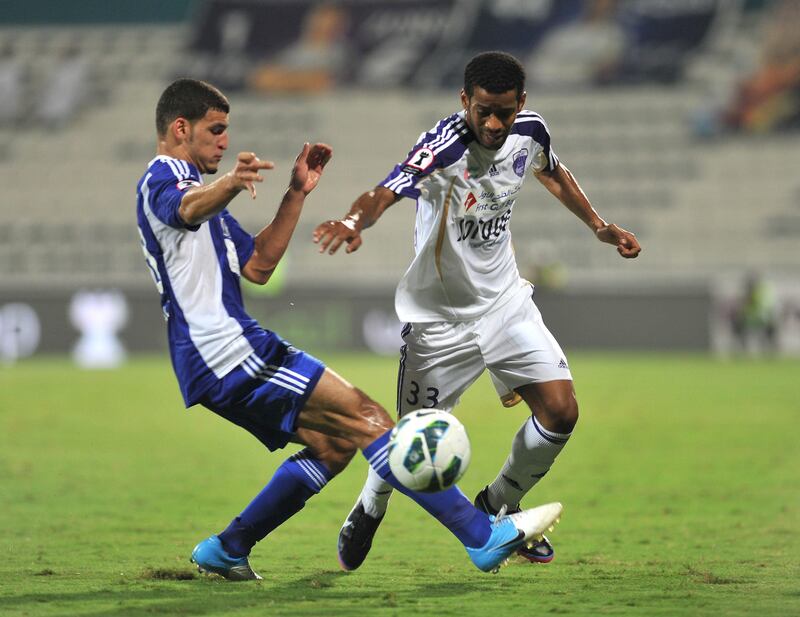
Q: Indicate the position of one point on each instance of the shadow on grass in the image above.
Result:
(180, 592)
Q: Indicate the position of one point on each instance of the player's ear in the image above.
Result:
(464, 99)
(180, 128)
(521, 102)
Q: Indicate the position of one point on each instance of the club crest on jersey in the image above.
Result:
(520, 158)
(185, 184)
(470, 201)
(419, 161)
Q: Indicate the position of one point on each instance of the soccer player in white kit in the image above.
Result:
(465, 305)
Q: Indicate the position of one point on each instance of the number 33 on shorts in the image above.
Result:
(419, 396)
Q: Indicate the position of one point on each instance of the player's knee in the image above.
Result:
(561, 412)
(372, 419)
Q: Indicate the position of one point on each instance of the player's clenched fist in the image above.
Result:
(626, 242)
(245, 174)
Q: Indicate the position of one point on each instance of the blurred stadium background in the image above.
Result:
(678, 117)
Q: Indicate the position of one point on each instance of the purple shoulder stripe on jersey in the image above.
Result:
(436, 149)
(531, 124)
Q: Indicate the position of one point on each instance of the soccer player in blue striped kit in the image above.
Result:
(197, 252)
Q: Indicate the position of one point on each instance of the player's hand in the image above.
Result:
(626, 243)
(331, 234)
(245, 174)
(308, 166)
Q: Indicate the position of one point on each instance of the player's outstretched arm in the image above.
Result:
(271, 242)
(563, 185)
(364, 212)
(204, 202)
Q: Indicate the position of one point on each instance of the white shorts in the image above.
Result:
(440, 360)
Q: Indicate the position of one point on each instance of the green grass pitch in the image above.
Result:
(681, 488)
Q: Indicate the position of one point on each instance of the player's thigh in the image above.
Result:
(338, 409)
(438, 362)
(518, 348)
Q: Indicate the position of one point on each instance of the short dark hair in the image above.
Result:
(190, 99)
(496, 72)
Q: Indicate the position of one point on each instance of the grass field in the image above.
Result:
(681, 488)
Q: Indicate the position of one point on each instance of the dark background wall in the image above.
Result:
(323, 320)
(94, 11)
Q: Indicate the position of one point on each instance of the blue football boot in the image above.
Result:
(510, 532)
(210, 556)
(535, 551)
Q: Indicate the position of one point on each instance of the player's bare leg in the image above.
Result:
(338, 409)
(554, 413)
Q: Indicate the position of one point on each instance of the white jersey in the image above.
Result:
(464, 262)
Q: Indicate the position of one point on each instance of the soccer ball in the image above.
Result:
(428, 450)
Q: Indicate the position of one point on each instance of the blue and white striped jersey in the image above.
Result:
(196, 270)
(464, 262)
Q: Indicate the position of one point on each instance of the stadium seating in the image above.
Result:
(700, 208)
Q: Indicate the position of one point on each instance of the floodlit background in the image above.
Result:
(678, 118)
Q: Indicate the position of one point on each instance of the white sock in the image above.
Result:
(532, 454)
(375, 494)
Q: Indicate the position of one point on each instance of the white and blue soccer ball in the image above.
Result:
(429, 450)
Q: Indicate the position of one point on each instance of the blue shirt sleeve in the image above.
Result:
(166, 192)
(244, 242)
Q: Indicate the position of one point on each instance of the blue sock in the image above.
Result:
(300, 477)
(451, 507)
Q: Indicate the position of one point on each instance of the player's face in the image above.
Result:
(208, 140)
(490, 116)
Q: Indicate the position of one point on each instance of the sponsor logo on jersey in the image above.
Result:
(500, 195)
(480, 230)
(185, 184)
(470, 201)
(419, 161)
(520, 158)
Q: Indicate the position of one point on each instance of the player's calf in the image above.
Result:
(333, 452)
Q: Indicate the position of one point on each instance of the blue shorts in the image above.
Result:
(265, 393)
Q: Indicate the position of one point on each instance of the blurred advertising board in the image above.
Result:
(308, 46)
(301, 45)
(101, 327)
